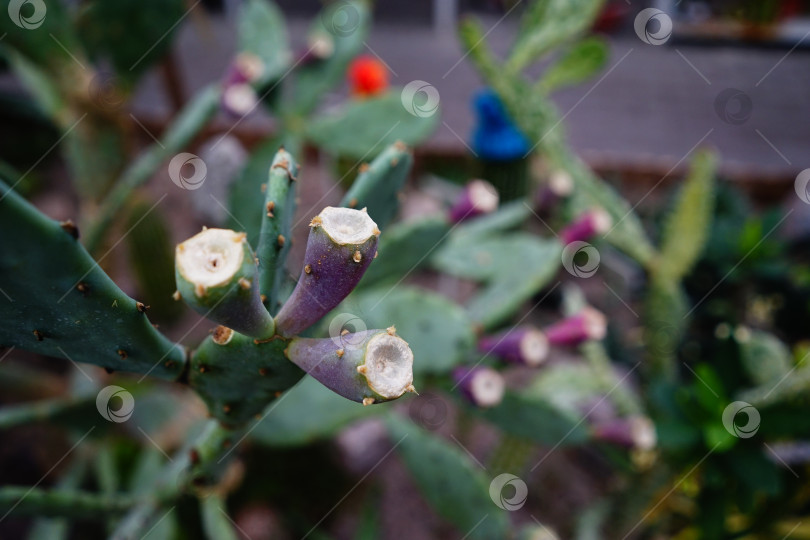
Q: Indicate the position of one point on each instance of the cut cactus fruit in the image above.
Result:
(217, 276)
(481, 386)
(342, 243)
(368, 367)
(522, 345)
(479, 197)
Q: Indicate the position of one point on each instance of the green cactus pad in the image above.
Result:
(56, 300)
(377, 187)
(239, 377)
(277, 215)
(457, 489)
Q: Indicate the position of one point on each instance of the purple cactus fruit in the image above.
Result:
(522, 345)
(585, 227)
(368, 367)
(482, 386)
(216, 275)
(238, 96)
(558, 187)
(342, 242)
(588, 324)
(479, 197)
(635, 432)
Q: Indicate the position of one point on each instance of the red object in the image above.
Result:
(367, 76)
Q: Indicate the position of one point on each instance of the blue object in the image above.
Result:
(495, 136)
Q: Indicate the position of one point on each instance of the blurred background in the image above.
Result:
(728, 75)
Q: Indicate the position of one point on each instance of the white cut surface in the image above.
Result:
(487, 387)
(240, 98)
(595, 323)
(643, 433)
(211, 258)
(534, 347)
(602, 222)
(389, 365)
(483, 196)
(347, 225)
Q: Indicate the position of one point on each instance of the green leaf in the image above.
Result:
(262, 32)
(577, 65)
(42, 268)
(404, 248)
(245, 198)
(377, 187)
(536, 419)
(188, 122)
(438, 330)
(215, 520)
(764, 357)
(131, 34)
(687, 227)
(363, 128)
(313, 80)
(514, 267)
(455, 487)
(306, 413)
(547, 24)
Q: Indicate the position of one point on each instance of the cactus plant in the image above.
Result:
(241, 367)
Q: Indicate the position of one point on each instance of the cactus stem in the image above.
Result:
(140, 306)
(280, 240)
(176, 296)
(69, 227)
(357, 257)
(222, 335)
(39, 335)
(122, 353)
(368, 401)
